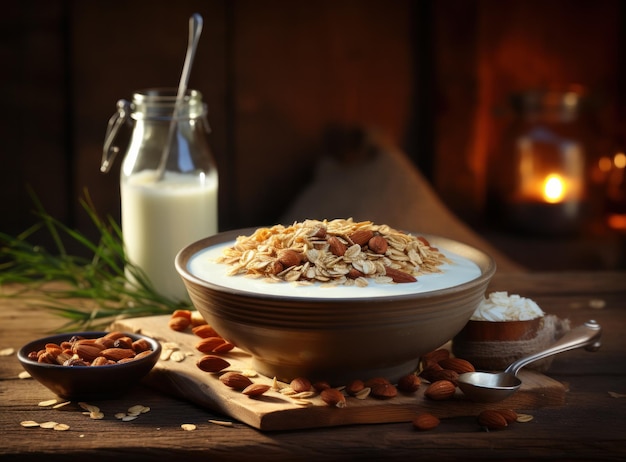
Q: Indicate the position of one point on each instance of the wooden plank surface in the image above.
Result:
(589, 426)
(276, 411)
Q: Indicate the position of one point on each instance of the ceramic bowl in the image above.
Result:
(494, 345)
(87, 382)
(340, 333)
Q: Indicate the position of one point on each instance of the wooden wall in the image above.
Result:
(433, 75)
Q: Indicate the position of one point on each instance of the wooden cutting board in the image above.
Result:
(276, 411)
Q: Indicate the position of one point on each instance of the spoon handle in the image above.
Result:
(587, 335)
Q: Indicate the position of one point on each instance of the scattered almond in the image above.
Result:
(440, 390)
(210, 363)
(492, 420)
(235, 380)
(410, 383)
(333, 397)
(256, 389)
(458, 365)
(425, 421)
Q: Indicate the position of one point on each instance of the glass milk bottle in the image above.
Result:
(168, 195)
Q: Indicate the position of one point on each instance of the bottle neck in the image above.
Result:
(160, 104)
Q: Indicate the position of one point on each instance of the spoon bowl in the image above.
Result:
(496, 386)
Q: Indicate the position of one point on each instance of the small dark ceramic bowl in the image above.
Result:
(88, 382)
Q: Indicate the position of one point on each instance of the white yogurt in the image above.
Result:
(204, 266)
(159, 218)
(499, 306)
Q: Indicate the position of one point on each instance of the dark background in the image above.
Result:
(433, 75)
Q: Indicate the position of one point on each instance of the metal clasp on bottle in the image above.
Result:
(109, 150)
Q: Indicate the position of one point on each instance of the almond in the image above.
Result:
(256, 389)
(399, 276)
(235, 380)
(354, 273)
(114, 335)
(204, 331)
(182, 314)
(179, 323)
(116, 354)
(410, 383)
(123, 342)
(208, 344)
(378, 244)
(445, 374)
(224, 347)
(425, 421)
(383, 391)
(143, 354)
(141, 345)
(354, 387)
(361, 236)
(86, 351)
(336, 247)
(210, 363)
(440, 390)
(289, 258)
(300, 384)
(333, 397)
(492, 419)
(458, 365)
(509, 415)
(100, 361)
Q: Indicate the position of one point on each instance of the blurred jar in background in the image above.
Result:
(538, 179)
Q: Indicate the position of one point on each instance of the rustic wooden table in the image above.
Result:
(590, 426)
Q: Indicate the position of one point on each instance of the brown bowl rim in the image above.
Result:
(485, 262)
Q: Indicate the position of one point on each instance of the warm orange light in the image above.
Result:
(553, 188)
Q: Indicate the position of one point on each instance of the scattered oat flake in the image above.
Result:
(524, 418)
(177, 356)
(24, 375)
(188, 427)
(597, 304)
(170, 346)
(363, 393)
(97, 415)
(304, 394)
(89, 407)
(60, 405)
(48, 403)
(120, 415)
(249, 373)
(49, 424)
(165, 354)
(128, 418)
(29, 424)
(303, 402)
(61, 427)
(613, 394)
(223, 423)
(7, 351)
(138, 409)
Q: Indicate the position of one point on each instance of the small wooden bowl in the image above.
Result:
(500, 331)
(494, 345)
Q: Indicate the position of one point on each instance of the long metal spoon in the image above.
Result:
(496, 386)
(195, 29)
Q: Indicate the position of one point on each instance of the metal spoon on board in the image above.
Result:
(496, 386)
(195, 29)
